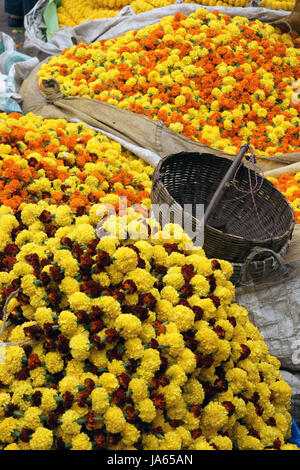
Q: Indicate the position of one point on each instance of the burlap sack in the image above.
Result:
(291, 21)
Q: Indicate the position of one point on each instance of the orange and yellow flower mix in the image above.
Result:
(289, 185)
(219, 80)
(66, 163)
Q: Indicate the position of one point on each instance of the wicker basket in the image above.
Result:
(235, 227)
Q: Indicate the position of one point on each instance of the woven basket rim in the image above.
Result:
(226, 236)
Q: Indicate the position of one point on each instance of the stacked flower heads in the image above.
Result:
(66, 164)
(219, 80)
(129, 344)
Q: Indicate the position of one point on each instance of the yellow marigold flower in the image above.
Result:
(100, 402)
(282, 392)
(172, 394)
(176, 374)
(63, 216)
(68, 323)
(20, 390)
(109, 381)
(236, 379)
(145, 249)
(214, 417)
(12, 447)
(80, 346)
(134, 346)
(146, 409)
(110, 306)
(38, 377)
(41, 439)
(4, 399)
(162, 308)
(81, 442)
(207, 338)
(200, 284)
(79, 301)
(125, 259)
(170, 294)
(116, 367)
(69, 423)
(187, 360)
(54, 362)
(142, 279)
(114, 420)
(43, 315)
(7, 426)
(151, 360)
(129, 325)
(150, 442)
(193, 392)
(182, 316)
(171, 441)
(130, 435)
(139, 389)
(13, 357)
(32, 417)
(174, 277)
(69, 285)
(48, 402)
(83, 233)
(221, 442)
(202, 444)
(249, 443)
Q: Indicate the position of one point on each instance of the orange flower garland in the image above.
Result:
(219, 80)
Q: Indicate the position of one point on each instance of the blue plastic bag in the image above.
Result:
(295, 437)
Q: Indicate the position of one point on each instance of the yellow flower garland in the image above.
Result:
(202, 377)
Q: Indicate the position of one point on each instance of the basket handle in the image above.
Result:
(223, 184)
(253, 253)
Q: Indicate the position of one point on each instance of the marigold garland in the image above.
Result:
(219, 80)
(135, 344)
(289, 185)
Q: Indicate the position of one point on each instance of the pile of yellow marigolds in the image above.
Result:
(111, 340)
(219, 80)
(71, 14)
